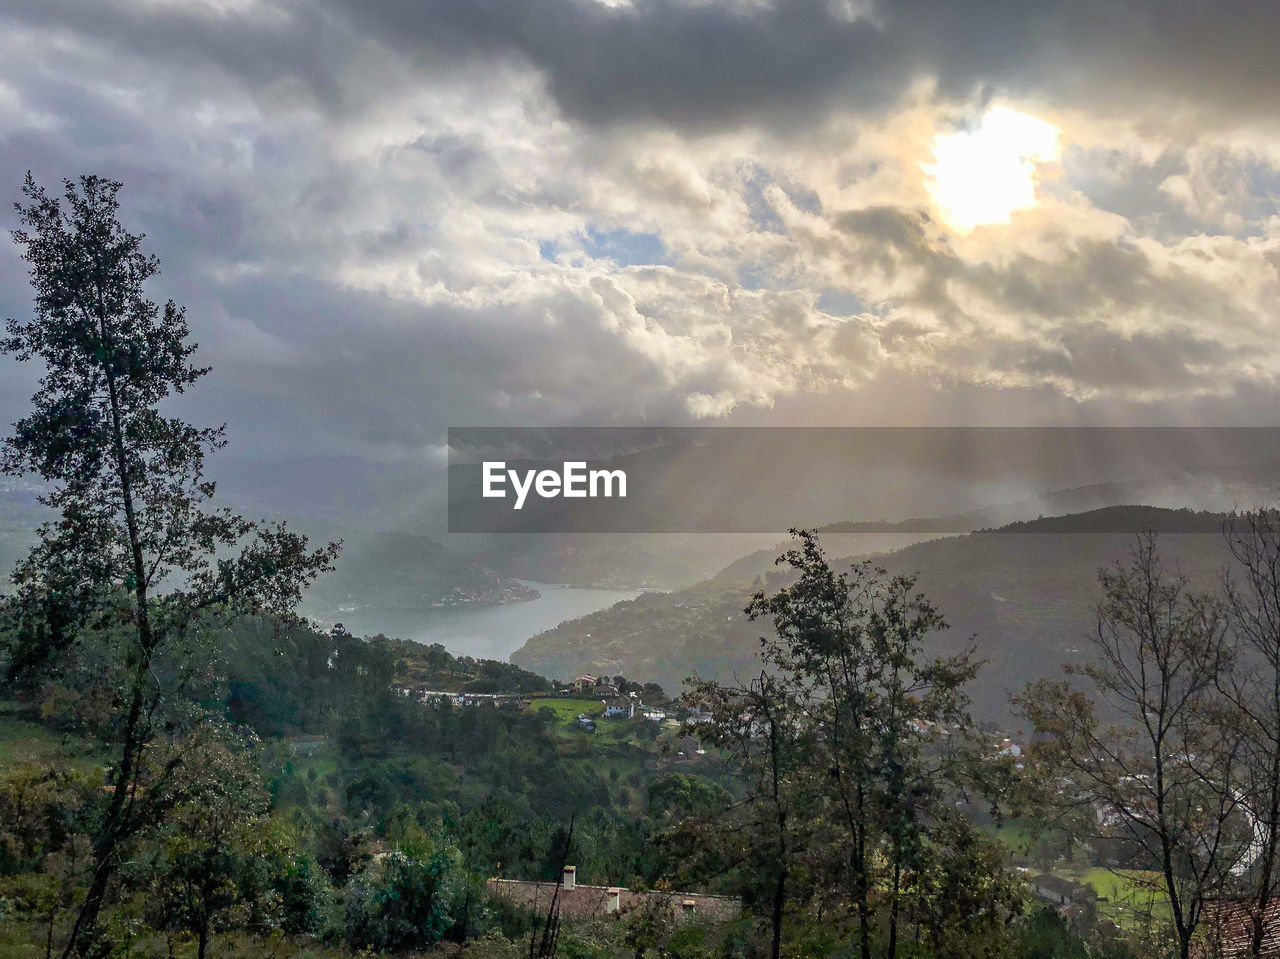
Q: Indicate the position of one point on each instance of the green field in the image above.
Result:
(567, 708)
(1017, 835)
(1131, 894)
(1125, 886)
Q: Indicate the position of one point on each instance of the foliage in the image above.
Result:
(852, 745)
(137, 560)
(406, 899)
(676, 796)
(210, 858)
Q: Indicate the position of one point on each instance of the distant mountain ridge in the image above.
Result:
(1023, 592)
(375, 568)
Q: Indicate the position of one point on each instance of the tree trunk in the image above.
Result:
(862, 877)
(892, 951)
(775, 949)
(131, 753)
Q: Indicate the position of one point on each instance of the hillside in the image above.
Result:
(1024, 592)
(382, 569)
(398, 571)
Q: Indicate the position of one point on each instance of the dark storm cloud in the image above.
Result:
(690, 63)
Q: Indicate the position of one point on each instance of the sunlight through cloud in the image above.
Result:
(982, 176)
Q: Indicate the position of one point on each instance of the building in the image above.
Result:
(690, 748)
(620, 707)
(1228, 925)
(585, 684)
(1059, 891)
(697, 716)
(579, 901)
(585, 722)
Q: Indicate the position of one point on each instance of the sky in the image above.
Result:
(387, 217)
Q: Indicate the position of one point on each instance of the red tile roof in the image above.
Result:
(1228, 926)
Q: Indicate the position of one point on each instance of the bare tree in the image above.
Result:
(1252, 593)
(1146, 748)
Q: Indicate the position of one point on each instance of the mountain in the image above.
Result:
(676, 560)
(387, 570)
(20, 513)
(1217, 490)
(1022, 593)
(399, 571)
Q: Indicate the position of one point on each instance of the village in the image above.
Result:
(600, 697)
(1090, 887)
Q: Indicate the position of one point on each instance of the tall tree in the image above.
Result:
(852, 644)
(1252, 593)
(853, 740)
(762, 837)
(1143, 743)
(137, 543)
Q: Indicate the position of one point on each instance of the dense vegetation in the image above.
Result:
(1029, 595)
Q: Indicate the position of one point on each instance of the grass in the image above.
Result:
(25, 741)
(567, 709)
(1132, 894)
(1017, 835)
(1134, 887)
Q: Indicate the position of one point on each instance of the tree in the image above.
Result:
(137, 544)
(1253, 611)
(964, 900)
(674, 796)
(761, 837)
(851, 645)
(1145, 747)
(212, 850)
(407, 899)
(852, 739)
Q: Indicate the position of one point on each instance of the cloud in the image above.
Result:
(389, 216)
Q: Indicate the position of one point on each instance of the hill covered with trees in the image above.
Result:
(1025, 590)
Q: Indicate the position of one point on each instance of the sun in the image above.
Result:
(983, 175)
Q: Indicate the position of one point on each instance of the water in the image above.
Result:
(486, 632)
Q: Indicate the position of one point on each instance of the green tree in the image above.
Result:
(852, 741)
(209, 871)
(407, 899)
(137, 544)
(677, 795)
(849, 646)
(762, 728)
(963, 899)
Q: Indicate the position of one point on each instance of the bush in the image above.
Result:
(401, 902)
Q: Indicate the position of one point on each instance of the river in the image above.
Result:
(487, 632)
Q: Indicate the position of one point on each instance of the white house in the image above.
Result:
(620, 706)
